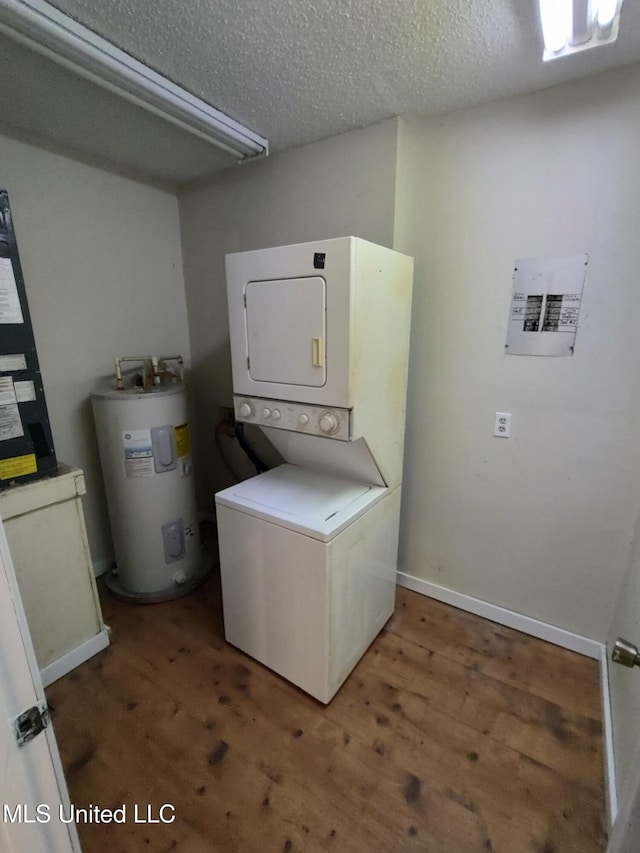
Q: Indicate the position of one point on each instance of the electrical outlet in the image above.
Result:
(502, 425)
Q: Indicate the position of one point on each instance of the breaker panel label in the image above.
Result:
(545, 305)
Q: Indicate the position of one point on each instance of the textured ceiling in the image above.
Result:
(297, 70)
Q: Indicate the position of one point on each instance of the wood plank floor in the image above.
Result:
(452, 735)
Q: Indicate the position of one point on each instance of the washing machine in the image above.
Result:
(308, 551)
(308, 563)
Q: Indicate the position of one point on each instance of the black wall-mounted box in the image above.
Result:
(26, 444)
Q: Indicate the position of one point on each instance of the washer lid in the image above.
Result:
(311, 502)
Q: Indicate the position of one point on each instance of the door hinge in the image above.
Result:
(248, 363)
(30, 723)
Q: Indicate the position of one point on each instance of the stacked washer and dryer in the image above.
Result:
(308, 550)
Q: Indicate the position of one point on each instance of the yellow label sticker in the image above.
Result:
(183, 440)
(18, 466)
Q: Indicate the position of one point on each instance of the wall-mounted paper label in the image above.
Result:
(138, 453)
(545, 305)
(14, 362)
(10, 310)
(25, 391)
(10, 422)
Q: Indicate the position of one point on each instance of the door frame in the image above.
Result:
(625, 833)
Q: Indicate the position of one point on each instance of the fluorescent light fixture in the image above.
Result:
(569, 26)
(43, 28)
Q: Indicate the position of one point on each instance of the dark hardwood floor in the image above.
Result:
(452, 735)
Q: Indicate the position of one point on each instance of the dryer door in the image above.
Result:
(286, 331)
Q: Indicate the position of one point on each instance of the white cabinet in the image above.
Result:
(45, 527)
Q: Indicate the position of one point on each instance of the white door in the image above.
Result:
(286, 331)
(624, 686)
(33, 789)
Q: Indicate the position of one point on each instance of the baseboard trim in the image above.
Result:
(53, 671)
(543, 631)
(607, 735)
(510, 618)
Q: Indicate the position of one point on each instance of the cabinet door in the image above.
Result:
(286, 330)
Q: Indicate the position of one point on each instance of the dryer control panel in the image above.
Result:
(296, 417)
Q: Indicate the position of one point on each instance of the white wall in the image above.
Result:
(340, 186)
(539, 523)
(102, 263)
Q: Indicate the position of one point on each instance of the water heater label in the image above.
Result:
(183, 441)
(138, 453)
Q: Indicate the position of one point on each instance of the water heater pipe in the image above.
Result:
(158, 368)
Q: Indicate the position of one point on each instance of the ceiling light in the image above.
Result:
(569, 26)
(45, 29)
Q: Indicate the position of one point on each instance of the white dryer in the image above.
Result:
(319, 343)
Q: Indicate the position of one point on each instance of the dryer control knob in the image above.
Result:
(303, 419)
(329, 423)
(245, 410)
(276, 414)
(266, 413)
